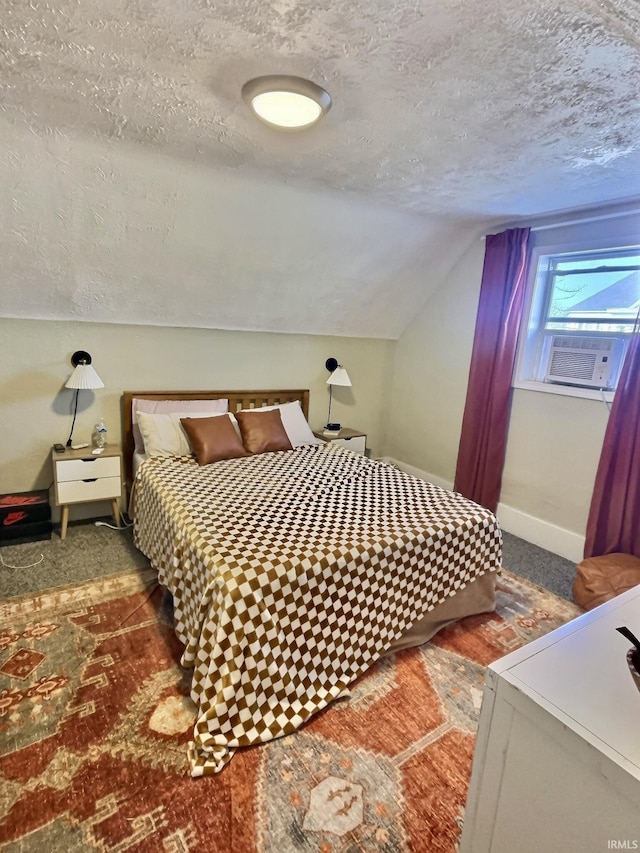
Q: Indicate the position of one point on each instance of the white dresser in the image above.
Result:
(557, 758)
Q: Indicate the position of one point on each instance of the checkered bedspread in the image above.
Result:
(292, 572)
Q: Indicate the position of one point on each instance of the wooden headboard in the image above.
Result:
(237, 400)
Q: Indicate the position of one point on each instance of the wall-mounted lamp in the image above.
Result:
(83, 378)
(339, 376)
(286, 102)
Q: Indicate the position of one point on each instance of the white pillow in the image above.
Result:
(164, 407)
(163, 434)
(295, 424)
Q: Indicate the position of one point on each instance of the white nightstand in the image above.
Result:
(349, 438)
(81, 477)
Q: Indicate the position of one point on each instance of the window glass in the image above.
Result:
(598, 294)
(582, 308)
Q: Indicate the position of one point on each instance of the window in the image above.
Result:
(582, 308)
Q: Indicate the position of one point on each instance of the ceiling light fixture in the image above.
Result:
(285, 102)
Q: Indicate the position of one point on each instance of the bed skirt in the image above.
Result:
(478, 596)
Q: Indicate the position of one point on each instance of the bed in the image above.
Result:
(292, 570)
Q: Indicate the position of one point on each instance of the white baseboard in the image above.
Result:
(546, 535)
(549, 536)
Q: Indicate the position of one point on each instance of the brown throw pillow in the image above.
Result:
(263, 431)
(213, 439)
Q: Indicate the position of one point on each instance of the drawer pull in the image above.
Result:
(90, 480)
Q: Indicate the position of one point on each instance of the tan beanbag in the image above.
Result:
(600, 578)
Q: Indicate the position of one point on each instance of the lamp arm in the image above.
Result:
(73, 422)
(330, 396)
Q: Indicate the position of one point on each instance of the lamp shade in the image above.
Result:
(339, 377)
(84, 377)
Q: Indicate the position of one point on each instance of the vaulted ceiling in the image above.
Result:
(142, 189)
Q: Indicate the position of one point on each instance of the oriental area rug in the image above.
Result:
(95, 717)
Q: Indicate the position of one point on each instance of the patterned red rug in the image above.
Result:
(95, 717)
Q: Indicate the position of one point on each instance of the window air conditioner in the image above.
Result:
(580, 361)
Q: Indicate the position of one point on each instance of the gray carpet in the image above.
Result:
(87, 552)
(542, 567)
(90, 551)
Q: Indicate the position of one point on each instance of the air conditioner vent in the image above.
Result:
(599, 344)
(580, 361)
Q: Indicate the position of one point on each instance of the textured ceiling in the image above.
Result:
(447, 115)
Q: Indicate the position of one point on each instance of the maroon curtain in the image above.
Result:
(483, 440)
(613, 525)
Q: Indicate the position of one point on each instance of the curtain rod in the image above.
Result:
(568, 222)
(597, 218)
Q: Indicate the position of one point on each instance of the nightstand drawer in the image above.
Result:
(75, 491)
(358, 443)
(84, 469)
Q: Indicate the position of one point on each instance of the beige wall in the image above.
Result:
(430, 375)
(554, 441)
(552, 453)
(35, 363)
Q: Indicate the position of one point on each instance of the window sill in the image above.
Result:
(565, 390)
